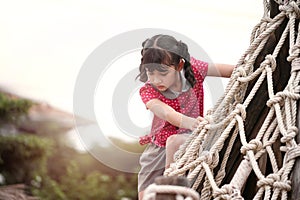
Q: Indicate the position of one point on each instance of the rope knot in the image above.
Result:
(228, 192)
(208, 157)
(240, 72)
(278, 98)
(291, 8)
(269, 61)
(294, 54)
(240, 109)
(291, 133)
(254, 145)
(268, 181)
(296, 62)
(292, 153)
(283, 185)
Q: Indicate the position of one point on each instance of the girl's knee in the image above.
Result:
(175, 140)
(172, 140)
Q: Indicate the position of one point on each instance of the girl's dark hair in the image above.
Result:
(162, 50)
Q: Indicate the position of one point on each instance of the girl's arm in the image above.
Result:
(220, 70)
(166, 112)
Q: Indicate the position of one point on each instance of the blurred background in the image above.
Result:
(43, 47)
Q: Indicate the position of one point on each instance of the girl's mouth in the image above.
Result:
(161, 88)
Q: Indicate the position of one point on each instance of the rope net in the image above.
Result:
(225, 131)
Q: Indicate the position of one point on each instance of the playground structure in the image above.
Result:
(248, 145)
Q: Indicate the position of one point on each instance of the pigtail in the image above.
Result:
(188, 71)
(142, 75)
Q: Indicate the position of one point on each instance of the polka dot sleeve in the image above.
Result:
(200, 68)
(147, 93)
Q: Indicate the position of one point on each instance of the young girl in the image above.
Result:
(173, 91)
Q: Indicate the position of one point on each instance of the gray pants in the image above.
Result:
(152, 163)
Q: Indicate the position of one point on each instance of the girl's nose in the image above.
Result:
(156, 80)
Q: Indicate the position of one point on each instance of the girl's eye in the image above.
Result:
(163, 74)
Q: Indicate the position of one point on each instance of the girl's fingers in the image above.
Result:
(200, 119)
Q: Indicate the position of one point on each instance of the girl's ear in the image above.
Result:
(181, 64)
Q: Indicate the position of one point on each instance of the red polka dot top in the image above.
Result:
(189, 102)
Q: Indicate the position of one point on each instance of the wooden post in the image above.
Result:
(295, 176)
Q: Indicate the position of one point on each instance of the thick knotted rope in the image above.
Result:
(182, 193)
(199, 156)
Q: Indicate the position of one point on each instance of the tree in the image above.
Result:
(51, 169)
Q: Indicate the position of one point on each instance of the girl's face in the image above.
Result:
(167, 79)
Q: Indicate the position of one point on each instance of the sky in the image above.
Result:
(44, 45)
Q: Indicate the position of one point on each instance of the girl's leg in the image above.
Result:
(141, 194)
(172, 145)
(152, 163)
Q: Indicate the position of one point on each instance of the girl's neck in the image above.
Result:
(177, 86)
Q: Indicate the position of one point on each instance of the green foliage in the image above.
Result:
(48, 189)
(11, 109)
(51, 169)
(75, 185)
(85, 187)
(96, 185)
(22, 157)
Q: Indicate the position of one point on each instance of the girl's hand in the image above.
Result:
(198, 120)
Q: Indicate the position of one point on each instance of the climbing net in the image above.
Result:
(199, 158)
